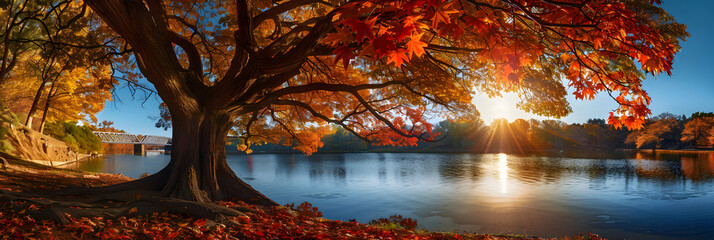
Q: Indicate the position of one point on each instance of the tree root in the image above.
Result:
(158, 185)
(121, 191)
(4, 164)
(61, 210)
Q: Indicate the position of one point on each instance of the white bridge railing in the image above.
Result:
(113, 137)
(155, 140)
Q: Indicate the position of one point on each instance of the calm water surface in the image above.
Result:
(636, 196)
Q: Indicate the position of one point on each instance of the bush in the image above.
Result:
(305, 209)
(79, 138)
(7, 119)
(395, 221)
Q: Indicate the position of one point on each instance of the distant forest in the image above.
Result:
(664, 131)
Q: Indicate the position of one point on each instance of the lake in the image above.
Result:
(632, 196)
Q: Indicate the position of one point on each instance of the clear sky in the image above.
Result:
(689, 89)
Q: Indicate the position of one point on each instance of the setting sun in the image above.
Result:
(501, 107)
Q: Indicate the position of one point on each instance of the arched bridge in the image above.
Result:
(117, 142)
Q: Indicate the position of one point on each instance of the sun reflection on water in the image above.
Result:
(503, 172)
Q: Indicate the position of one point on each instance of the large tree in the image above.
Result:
(662, 130)
(281, 71)
(697, 131)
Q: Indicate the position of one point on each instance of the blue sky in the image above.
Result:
(689, 89)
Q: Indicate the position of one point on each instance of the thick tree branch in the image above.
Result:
(244, 34)
(330, 87)
(281, 8)
(322, 116)
(296, 56)
(194, 57)
(153, 49)
(268, 99)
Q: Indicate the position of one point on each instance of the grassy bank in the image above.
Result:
(293, 222)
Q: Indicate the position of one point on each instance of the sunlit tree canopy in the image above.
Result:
(286, 68)
(53, 67)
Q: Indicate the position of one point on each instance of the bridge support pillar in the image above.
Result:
(139, 149)
(167, 149)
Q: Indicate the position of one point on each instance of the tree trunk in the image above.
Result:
(198, 170)
(47, 107)
(35, 102)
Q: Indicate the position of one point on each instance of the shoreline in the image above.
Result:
(57, 164)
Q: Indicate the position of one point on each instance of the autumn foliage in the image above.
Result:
(381, 68)
(593, 44)
(52, 67)
(398, 220)
(284, 71)
(699, 131)
(398, 57)
(655, 133)
(273, 223)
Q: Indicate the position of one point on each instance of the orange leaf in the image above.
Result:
(397, 57)
(442, 13)
(333, 39)
(416, 46)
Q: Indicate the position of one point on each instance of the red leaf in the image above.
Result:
(402, 31)
(345, 54)
(384, 45)
(200, 222)
(362, 29)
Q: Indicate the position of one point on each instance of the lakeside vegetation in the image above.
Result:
(664, 131)
(7, 119)
(79, 138)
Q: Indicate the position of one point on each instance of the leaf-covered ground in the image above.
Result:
(292, 222)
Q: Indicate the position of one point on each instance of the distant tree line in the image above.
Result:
(536, 136)
(675, 132)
